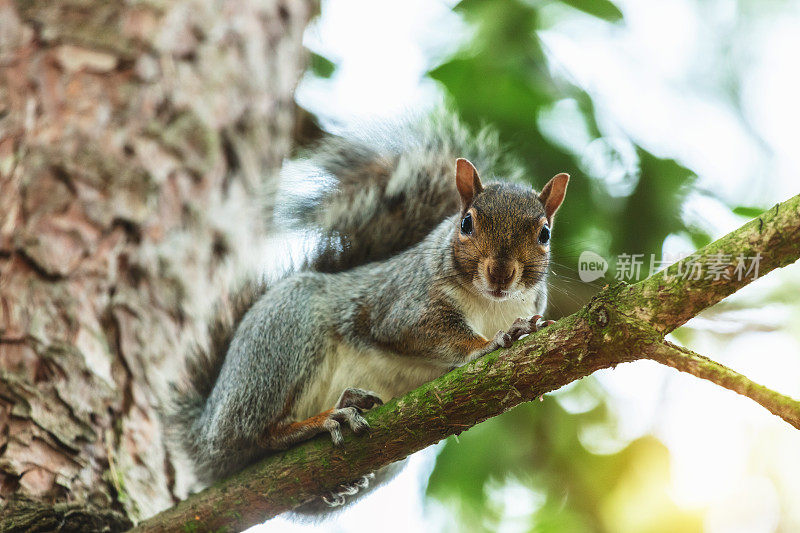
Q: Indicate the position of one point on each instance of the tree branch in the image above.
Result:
(668, 300)
(693, 363)
(622, 323)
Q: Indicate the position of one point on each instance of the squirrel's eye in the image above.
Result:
(544, 235)
(466, 224)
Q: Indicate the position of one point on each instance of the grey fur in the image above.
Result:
(387, 230)
(188, 397)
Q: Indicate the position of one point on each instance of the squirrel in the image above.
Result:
(420, 268)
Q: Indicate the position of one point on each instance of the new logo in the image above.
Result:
(591, 266)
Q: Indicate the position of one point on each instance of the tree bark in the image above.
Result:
(621, 324)
(131, 137)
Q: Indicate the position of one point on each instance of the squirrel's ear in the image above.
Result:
(553, 194)
(467, 181)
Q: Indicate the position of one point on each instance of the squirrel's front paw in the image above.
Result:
(520, 327)
(524, 326)
(348, 410)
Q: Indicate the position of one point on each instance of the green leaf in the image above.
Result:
(321, 66)
(599, 8)
(748, 212)
(515, 94)
(699, 238)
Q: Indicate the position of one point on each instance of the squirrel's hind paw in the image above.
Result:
(358, 398)
(348, 410)
(349, 415)
(337, 498)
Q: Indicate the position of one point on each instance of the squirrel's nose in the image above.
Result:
(500, 273)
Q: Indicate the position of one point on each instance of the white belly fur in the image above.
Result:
(387, 375)
(487, 317)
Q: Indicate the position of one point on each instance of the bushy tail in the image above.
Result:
(390, 187)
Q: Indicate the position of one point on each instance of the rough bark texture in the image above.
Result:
(622, 323)
(131, 136)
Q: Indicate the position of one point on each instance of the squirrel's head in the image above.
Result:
(502, 244)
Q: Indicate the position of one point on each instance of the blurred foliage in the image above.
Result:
(532, 467)
(621, 199)
(503, 77)
(599, 8)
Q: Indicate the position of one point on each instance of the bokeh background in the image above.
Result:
(678, 121)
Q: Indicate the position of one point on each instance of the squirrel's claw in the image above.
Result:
(337, 498)
(353, 417)
(503, 339)
(524, 326)
(333, 427)
(334, 499)
(363, 481)
(348, 415)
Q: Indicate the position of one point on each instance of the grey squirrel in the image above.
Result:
(420, 268)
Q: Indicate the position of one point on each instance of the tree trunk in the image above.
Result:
(132, 135)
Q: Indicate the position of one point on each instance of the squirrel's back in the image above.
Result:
(391, 186)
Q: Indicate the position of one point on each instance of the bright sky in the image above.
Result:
(649, 79)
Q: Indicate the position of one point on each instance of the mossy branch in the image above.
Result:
(622, 323)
